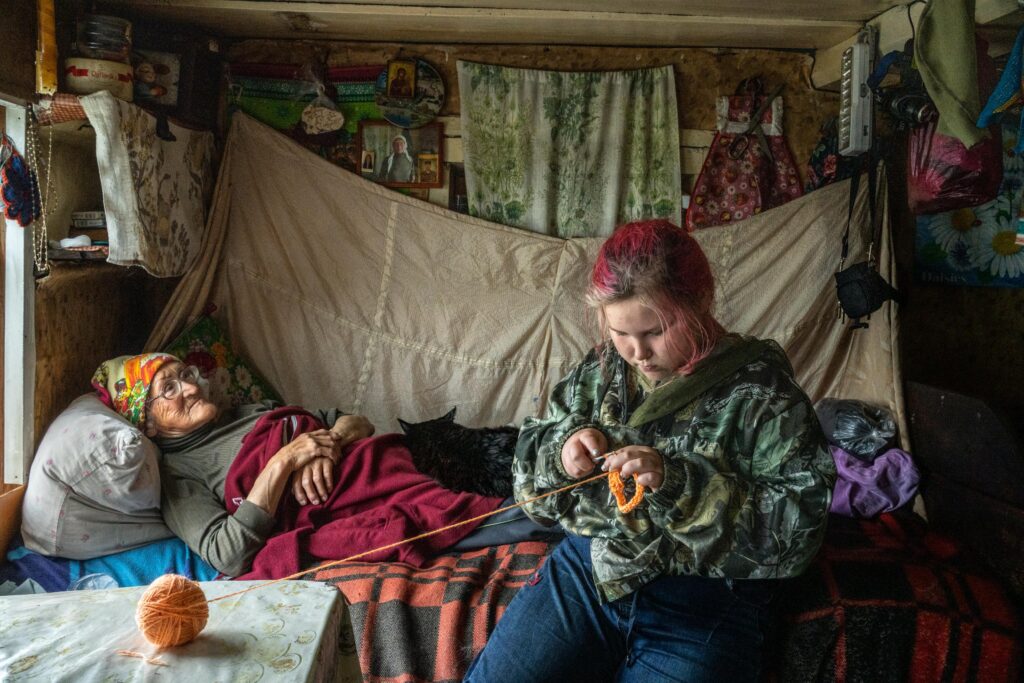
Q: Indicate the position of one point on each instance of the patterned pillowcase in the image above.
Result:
(232, 381)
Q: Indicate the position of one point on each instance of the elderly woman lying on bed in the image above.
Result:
(268, 491)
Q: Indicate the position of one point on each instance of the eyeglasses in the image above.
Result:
(172, 388)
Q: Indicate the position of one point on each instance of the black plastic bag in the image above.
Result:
(859, 428)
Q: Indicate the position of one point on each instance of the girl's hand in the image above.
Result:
(643, 461)
(580, 449)
(307, 447)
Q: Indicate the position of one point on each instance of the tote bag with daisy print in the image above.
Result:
(978, 245)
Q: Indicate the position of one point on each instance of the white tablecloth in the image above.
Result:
(290, 631)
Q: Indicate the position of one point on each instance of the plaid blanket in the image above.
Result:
(890, 600)
(886, 600)
(416, 625)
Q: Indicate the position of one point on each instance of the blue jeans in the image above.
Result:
(677, 628)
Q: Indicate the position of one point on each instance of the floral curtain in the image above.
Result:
(570, 154)
(155, 191)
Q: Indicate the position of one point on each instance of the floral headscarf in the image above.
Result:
(123, 383)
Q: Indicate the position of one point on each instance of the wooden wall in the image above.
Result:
(701, 75)
(86, 314)
(18, 49)
(966, 339)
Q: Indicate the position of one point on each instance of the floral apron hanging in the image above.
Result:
(749, 167)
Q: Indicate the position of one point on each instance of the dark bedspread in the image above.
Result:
(886, 600)
(889, 600)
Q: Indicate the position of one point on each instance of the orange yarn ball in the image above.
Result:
(172, 611)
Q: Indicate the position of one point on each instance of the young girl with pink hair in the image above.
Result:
(737, 472)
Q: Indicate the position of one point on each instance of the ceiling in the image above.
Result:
(826, 26)
(804, 24)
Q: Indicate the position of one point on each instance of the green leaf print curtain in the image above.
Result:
(570, 154)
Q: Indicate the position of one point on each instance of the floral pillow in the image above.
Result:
(232, 381)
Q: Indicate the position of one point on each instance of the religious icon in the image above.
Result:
(367, 163)
(401, 79)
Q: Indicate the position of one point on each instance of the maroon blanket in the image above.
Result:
(379, 497)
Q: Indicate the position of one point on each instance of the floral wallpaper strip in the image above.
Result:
(570, 154)
(155, 192)
(979, 245)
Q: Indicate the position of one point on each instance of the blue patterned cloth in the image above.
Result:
(135, 567)
(1007, 91)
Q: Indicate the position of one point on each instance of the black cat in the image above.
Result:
(477, 460)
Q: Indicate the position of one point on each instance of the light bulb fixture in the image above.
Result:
(856, 119)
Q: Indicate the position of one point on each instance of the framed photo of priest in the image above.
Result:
(427, 166)
(402, 157)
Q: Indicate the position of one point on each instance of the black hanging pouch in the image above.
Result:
(859, 287)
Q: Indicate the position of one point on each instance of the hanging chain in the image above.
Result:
(44, 196)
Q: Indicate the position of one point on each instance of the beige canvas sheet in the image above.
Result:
(346, 294)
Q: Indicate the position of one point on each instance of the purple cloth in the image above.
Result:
(865, 489)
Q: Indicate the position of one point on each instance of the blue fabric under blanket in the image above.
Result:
(135, 567)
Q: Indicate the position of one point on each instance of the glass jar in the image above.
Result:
(104, 37)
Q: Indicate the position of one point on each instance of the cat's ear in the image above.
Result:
(405, 425)
(450, 417)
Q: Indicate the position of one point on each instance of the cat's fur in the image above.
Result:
(473, 459)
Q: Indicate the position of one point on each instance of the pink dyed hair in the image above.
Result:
(663, 267)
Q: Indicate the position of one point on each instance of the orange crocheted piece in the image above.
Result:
(618, 488)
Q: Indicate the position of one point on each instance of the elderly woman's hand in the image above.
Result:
(348, 429)
(313, 482)
(353, 428)
(307, 447)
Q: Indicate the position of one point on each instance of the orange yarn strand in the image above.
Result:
(426, 534)
(173, 610)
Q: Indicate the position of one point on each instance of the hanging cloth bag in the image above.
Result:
(942, 173)
(827, 165)
(749, 167)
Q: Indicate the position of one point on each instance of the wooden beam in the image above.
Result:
(19, 329)
(897, 25)
(825, 74)
(423, 24)
(847, 10)
(988, 11)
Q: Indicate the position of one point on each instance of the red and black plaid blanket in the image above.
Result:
(417, 625)
(886, 600)
(890, 600)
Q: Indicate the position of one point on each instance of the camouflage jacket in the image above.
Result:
(748, 474)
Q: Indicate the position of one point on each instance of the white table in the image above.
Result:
(289, 631)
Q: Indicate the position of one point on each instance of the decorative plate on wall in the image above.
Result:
(420, 109)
